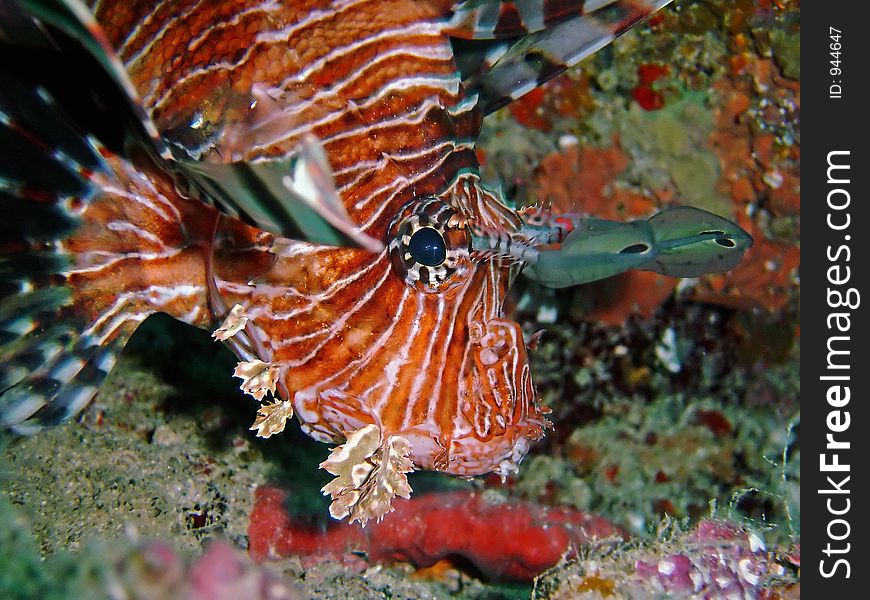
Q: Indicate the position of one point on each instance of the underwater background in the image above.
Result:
(675, 403)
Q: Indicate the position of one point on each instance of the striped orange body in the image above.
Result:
(359, 337)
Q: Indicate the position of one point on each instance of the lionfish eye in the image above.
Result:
(429, 248)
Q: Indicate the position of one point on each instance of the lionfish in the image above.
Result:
(300, 178)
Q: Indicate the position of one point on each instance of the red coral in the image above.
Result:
(648, 98)
(644, 94)
(631, 293)
(757, 168)
(656, 21)
(569, 96)
(754, 164)
(507, 540)
(527, 110)
(715, 421)
(585, 179)
(649, 73)
(565, 96)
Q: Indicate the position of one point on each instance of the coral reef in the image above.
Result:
(587, 179)
(129, 567)
(717, 559)
(701, 106)
(639, 463)
(504, 540)
(132, 467)
(666, 396)
(80, 503)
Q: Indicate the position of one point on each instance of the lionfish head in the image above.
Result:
(481, 392)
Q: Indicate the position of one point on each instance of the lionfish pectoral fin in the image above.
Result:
(294, 197)
(72, 19)
(52, 358)
(71, 369)
(597, 250)
(507, 70)
(91, 234)
(695, 242)
(312, 182)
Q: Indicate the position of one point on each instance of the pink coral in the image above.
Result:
(154, 569)
(717, 560)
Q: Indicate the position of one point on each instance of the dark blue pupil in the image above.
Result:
(427, 247)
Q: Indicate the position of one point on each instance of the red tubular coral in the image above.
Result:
(527, 110)
(644, 94)
(507, 540)
(648, 98)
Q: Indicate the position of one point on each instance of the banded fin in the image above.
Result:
(48, 367)
(77, 224)
(540, 227)
(293, 197)
(279, 211)
(507, 71)
(499, 19)
(56, 19)
(68, 377)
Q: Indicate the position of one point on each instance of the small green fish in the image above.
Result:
(682, 241)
